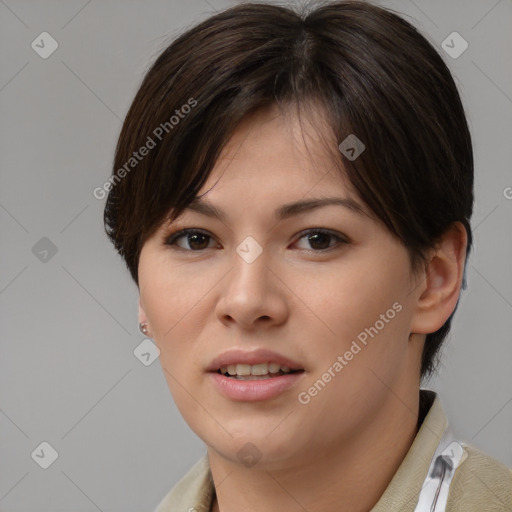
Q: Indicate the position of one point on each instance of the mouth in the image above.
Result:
(254, 375)
(260, 371)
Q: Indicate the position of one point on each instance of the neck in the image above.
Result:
(351, 476)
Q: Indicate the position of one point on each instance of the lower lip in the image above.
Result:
(254, 390)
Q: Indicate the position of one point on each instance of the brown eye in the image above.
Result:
(319, 239)
(196, 240)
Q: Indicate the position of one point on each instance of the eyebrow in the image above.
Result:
(285, 211)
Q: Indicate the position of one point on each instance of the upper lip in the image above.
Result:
(238, 356)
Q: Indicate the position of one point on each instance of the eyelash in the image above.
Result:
(171, 239)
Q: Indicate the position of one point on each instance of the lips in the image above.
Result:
(238, 374)
(241, 359)
(255, 371)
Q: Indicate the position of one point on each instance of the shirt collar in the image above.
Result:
(196, 489)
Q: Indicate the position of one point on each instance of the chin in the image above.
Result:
(255, 449)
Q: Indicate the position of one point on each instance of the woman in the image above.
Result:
(292, 195)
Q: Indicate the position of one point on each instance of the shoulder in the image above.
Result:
(193, 492)
(480, 483)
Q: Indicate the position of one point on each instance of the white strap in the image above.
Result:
(447, 457)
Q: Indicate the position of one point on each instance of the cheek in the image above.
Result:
(364, 317)
(171, 295)
(171, 300)
(354, 294)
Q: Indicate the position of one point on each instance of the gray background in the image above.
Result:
(69, 323)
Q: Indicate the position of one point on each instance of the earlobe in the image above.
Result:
(439, 290)
(144, 327)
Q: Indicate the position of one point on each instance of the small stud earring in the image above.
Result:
(143, 328)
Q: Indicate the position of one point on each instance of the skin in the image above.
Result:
(307, 305)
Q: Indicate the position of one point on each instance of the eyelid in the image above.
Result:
(331, 232)
(342, 239)
(169, 239)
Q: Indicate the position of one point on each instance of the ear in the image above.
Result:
(440, 282)
(143, 318)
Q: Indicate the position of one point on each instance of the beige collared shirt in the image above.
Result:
(480, 483)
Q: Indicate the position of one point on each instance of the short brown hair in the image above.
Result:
(373, 73)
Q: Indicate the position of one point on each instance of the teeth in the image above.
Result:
(243, 369)
(259, 369)
(273, 367)
(254, 369)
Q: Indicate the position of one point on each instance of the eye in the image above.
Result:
(194, 238)
(319, 240)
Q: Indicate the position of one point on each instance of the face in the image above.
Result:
(324, 291)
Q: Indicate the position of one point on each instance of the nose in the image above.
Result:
(253, 295)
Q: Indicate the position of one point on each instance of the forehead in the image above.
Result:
(282, 150)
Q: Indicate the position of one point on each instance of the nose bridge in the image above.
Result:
(248, 292)
(250, 267)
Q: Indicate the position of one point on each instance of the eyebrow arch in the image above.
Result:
(286, 211)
